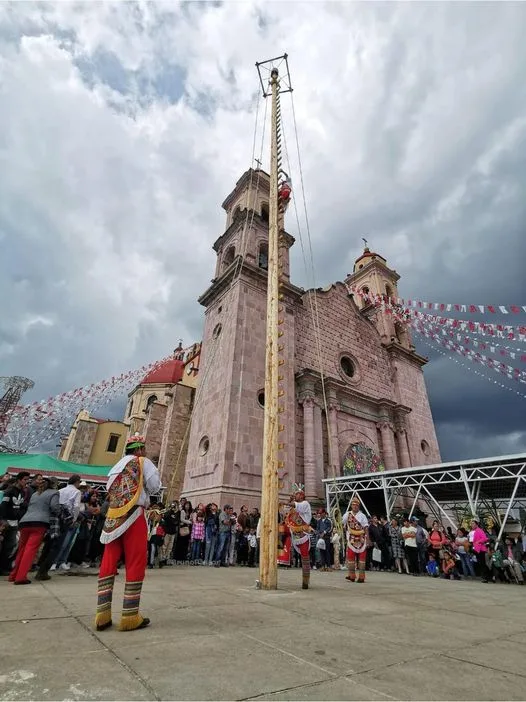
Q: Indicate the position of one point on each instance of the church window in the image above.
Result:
(113, 442)
(365, 290)
(360, 458)
(217, 330)
(236, 214)
(389, 292)
(263, 256)
(204, 445)
(264, 212)
(261, 398)
(347, 366)
(424, 446)
(229, 256)
(151, 400)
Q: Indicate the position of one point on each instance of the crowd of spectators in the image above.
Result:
(43, 529)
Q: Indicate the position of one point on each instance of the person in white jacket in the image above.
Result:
(131, 481)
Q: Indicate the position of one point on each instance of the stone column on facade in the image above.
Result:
(334, 448)
(388, 445)
(318, 448)
(309, 448)
(403, 447)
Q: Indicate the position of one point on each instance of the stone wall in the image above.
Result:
(154, 429)
(343, 331)
(85, 434)
(174, 445)
(204, 471)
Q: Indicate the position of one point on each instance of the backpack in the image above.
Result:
(65, 517)
(497, 559)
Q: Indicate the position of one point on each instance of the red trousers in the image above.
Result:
(30, 539)
(133, 545)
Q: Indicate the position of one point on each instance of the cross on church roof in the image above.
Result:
(258, 162)
(364, 241)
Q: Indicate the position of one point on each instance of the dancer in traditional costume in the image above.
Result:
(356, 526)
(284, 543)
(125, 533)
(298, 522)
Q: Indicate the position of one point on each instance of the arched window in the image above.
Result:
(229, 256)
(389, 292)
(263, 256)
(236, 213)
(264, 212)
(150, 401)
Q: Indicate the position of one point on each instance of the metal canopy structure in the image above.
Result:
(496, 484)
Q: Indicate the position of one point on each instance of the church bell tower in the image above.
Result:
(226, 437)
(372, 276)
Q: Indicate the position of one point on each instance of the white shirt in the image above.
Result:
(70, 496)
(411, 540)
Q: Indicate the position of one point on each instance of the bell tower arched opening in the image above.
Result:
(229, 256)
(263, 256)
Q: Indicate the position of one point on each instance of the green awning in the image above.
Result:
(41, 462)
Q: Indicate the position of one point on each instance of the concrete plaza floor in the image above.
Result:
(215, 637)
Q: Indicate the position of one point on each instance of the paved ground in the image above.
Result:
(215, 637)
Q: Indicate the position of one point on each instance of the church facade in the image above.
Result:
(354, 390)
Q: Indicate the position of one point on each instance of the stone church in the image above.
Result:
(375, 411)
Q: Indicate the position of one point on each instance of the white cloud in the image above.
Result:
(123, 126)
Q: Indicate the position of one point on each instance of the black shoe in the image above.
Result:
(145, 622)
(103, 627)
(42, 576)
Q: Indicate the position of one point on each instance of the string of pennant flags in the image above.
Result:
(470, 368)
(498, 331)
(423, 324)
(499, 367)
(513, 352)
(32, 425)
(453, 307)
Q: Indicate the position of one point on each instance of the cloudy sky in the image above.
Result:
(123, 126)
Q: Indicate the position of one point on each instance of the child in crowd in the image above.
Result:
(198, 535)
(449, 564)
(432, 566)
(156, 540)
(242, 547)
(335, 541)
(252, 548)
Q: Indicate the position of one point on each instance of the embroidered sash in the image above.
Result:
(123, 496)
(355, 534)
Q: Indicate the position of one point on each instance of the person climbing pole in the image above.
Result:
(284, 190)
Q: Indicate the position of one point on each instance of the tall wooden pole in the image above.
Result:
(268, 567)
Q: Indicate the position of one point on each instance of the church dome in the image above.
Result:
(366, 257)
(168, 373)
